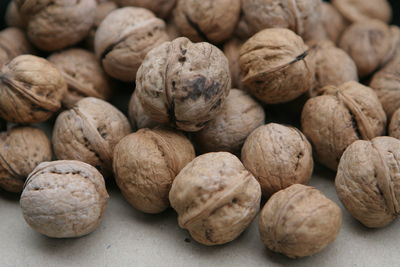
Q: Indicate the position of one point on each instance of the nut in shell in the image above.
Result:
(137, 116)
(162, 8)
(361, 10)
(232, 53)
(333, 22)
(12, 44)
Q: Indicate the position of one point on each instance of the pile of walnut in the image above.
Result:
(191, 141)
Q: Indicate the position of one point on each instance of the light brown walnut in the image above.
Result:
(361, 10)
(162, 8)
(12, 44)
(137, 116)
(13, 18)
(394, 126)
(333, 22)
(232, 53)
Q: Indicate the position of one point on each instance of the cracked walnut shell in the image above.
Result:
(162, 8)
(64, 199)
(299, 221)
(12, 44)
(361, 10)
(215, 197)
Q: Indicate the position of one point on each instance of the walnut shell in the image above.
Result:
(64, 199)
(332, 21)
(361, 10)
(12, 44)
(54, 25)
(394, 126)
(172, 30)
(240, 115)
(212, 21)
(184, 84)
(162, 8)
(83, 74)
(124, 38)
(31, 89)
(13, 18)
(275, 66)
(137, 116)
(21, 150)
(341, 116)
(367, 180)
(371, 44)
(146, 163)
(232, 53)
(278, 156)
(89, 132)
(215, 197)
(299, 221)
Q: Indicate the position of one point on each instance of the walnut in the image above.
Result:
(64, 199)
(162, 8)
(278, 156)
(394, 126)
(13, 18)
(371, 44)
(240, 115)
(83, 74)
(137, 117)
(124, 38)
(21, 150)
(54, 25)
(299, 221)
(172, 30)
(366, 181)
(361, 10)
(208, 20)
(232, 53)
(12, 44)
(31, 89)
(339, 117)
(275, 66)
(332, 21)
(89, 132)
(146, 163)
(215, 197)
(184, 84)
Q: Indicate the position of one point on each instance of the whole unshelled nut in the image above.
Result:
(240, 115)
(162, 8)
(184, 84)
(146, 163)
(367, 180)
(299, 221)
(341, 116)
(137, 116)
(333, 22)
(83, 74)
(212, 21)
(278, 156)
(124, 38)
(54, 25)
(89, 132)
(64, 199)
(12, 44)
(394, 126)
(361, 10)
(21, 150)
(232, 53)
(215, 197)
(13, 18)
(31, 90)
(276, 66)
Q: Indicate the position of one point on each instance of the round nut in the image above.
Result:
(31, 89)
(137, 116)
(232, 53)
(124, 38)
(394, 126)
(162, 8)
(215, 197)
(83, 74)
(332, 21)
(341, 116)
(146, 163)
(21, 150)
(366, 181)
(12, 44)
(64, 199)
(275, 66)
(299, 221)
(13, 18)
(89, 132)
(360, 10)
(184, 84)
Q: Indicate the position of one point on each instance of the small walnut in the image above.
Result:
(332, 21)
(361, 10)
(215, 197)
(240, 115)
(54, 25)
(124, 38)
(137, 117)
(341, 116)
(183, 83)
(212, 21)
(31, 89)
(394, 126)
(64, 199)
(146, 163)
(278, 156)
(299, 221)
(162, 8)
(21, 150)
(232, 53)
(83, 74)
(367, 180)
(371, 44)
(275, 66)
(12, 44)
(89, 132)
(13, 18)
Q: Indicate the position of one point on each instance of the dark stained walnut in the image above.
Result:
(12, 44)
(162, 8)
(361, 10)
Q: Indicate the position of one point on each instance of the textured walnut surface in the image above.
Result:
(13, 18)
(215, 197)
(12, 44)
(394, 126)
(361, 10)
(138, 118)
(184, 84)
(232, 53)
(299, 221)
(333, 22)
(342, 115)
(64, 199)
(161, 8)
(31, 89)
